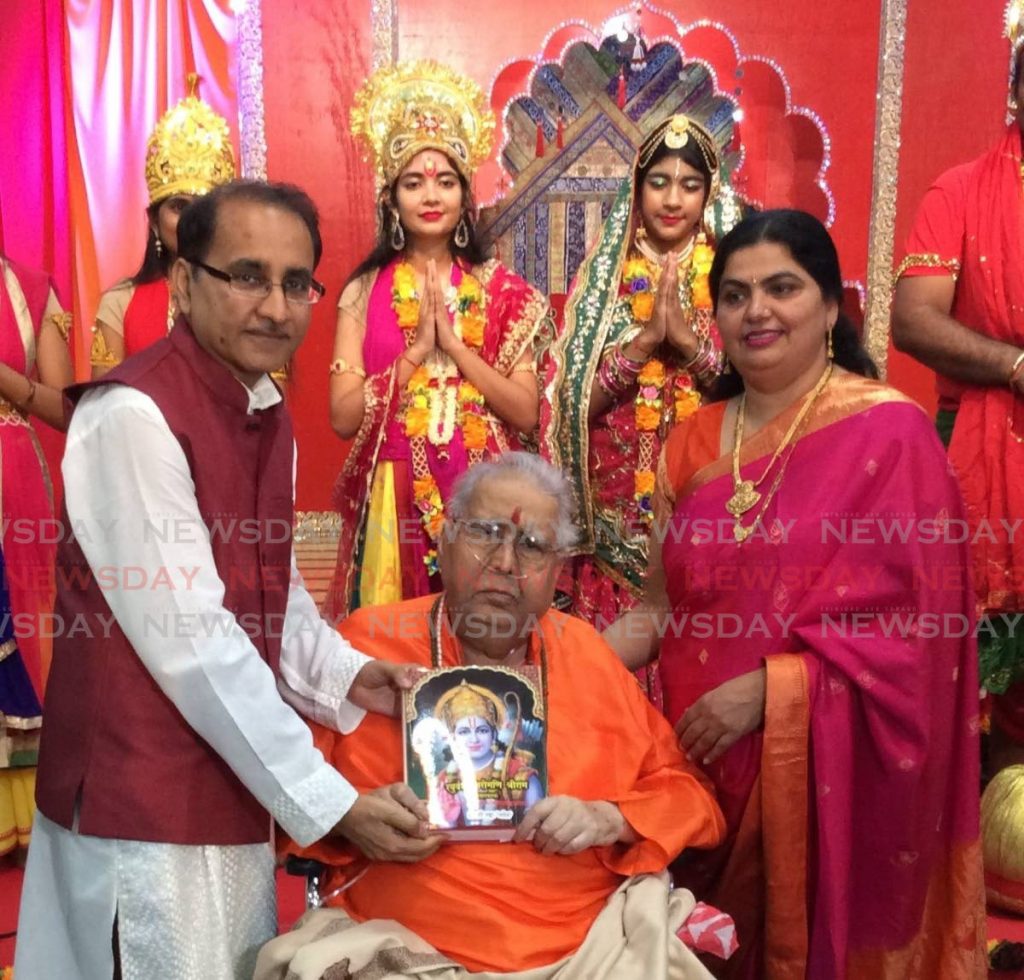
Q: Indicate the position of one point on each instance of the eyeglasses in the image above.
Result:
(296, 289)
(486, 538)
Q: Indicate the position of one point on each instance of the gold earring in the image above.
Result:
(829, 349)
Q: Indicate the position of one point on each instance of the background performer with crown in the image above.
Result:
(188, 154)
(434, 352)
(637, 346)
(959, 309)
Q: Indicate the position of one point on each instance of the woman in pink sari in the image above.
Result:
(35, 365)
(811, 597)
(435, 347)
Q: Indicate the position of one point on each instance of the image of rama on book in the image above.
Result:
(474, 748)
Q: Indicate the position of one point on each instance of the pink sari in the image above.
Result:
(853, 813)
(515, 313)
(26, 495)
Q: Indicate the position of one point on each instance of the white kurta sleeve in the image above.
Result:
(317, 665)
(126, 481)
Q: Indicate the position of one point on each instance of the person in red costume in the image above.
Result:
(187, 155)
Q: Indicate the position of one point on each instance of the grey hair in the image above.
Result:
(527, 466)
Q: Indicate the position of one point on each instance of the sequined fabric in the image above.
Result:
(193, 913)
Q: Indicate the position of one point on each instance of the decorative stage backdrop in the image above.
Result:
(847, 110)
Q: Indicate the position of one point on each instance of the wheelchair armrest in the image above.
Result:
(303, 867)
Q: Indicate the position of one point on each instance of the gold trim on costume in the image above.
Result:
(6, 649)
(100, 355)
(884, 189)
(62, 321)
(927, 260)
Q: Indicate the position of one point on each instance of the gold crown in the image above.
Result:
(675, 132)
(469, 701)
(421, 105)
(1015, 23)
(190, 151)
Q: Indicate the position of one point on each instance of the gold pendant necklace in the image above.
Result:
(745, 494)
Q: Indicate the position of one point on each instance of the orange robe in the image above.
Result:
(494, 906)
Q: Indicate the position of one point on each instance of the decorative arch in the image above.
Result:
(568, 100)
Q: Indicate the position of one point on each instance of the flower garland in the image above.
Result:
(639, 277)
(436, 396)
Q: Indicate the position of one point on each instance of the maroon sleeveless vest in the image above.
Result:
(112, 739)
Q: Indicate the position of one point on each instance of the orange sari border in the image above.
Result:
(847, 395)
(784, 814)
(938, 952)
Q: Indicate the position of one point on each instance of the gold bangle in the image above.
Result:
(526, 367)
(341, 366)
(1018, 366)
(416, 365)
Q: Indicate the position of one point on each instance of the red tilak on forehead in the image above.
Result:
(516, 515)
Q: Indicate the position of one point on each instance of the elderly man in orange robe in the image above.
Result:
(582, 892)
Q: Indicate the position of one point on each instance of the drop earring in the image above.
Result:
(397, 233)
(158, 246)
(462, 233)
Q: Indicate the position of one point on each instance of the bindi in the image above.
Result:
(517, 515)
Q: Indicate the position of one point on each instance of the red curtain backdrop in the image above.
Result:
(314, 57)
(128, 64)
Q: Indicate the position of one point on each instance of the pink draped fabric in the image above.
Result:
(884, 627)
(35, 202)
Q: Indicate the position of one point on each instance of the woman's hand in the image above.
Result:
(652, 334)
(425, 340)
(679, 332)
(722, 717)
(446, 338)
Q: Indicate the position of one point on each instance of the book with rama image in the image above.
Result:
(474, 748)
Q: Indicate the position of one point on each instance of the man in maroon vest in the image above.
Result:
(188, 641)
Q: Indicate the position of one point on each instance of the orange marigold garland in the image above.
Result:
(638, 283)
(436, 397)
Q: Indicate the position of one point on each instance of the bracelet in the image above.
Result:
(627, 338)
(341, 366)
(1015, 371)
(525, 367)
(31, 393)
(416, 365)
(705, 365)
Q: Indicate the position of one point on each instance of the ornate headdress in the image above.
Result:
(420, 105)
(469, 701)
(1015, 24)
(675, 133)
(189, 151)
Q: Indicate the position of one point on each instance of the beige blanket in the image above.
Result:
(634, 938)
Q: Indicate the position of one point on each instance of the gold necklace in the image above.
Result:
(660, 261)
(745, 495)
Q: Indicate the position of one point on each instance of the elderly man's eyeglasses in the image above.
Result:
(486, 538)
(300, 290)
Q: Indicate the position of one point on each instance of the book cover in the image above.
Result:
(474, 748)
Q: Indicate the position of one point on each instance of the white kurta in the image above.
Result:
(183, 912)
